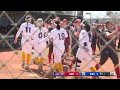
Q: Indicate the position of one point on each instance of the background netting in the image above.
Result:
(10, 55)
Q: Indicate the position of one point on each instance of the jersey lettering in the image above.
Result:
(61, 36)
(28, 29)
(40, 35)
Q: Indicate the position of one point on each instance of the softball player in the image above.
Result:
(40, 42)
(35, 24)
(85, 50)
(58, 36)
(27, 30)
(110, 49)
(50, 54)
(67, 40)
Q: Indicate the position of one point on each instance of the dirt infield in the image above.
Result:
(10, 67)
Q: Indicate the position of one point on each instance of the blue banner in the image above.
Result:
(90, 73)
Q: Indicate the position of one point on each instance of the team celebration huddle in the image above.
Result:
(66, 39)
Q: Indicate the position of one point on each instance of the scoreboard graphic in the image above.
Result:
(84, 74)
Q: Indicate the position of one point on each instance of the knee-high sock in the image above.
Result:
(94, 49)
(23, 57)
(55, 66)
(117, 70)
(28, 58)
(37, 60)
(97, 66)
(53, 58)
(60, 67)
(93, 69)
(41, 60)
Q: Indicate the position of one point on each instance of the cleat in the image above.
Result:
(33, 61)
(40, 68)
(23, 64)
(77, 68)
(73, 63)
(59, 77)
(27, 67)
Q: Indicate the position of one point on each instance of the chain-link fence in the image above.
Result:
(10, 61)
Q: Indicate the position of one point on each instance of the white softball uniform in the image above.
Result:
(27, 30)
(58, 43)
(40, 41)
(81, 53)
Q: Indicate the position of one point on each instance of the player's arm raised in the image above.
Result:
(111, 35)
(18, 33)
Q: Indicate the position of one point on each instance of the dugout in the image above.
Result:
(8, 19)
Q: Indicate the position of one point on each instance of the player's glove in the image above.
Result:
(85, 47)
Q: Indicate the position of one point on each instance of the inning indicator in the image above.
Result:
(97, 73)
(104, 73)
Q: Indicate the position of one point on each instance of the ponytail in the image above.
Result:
(87, 28)
(58, 25)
